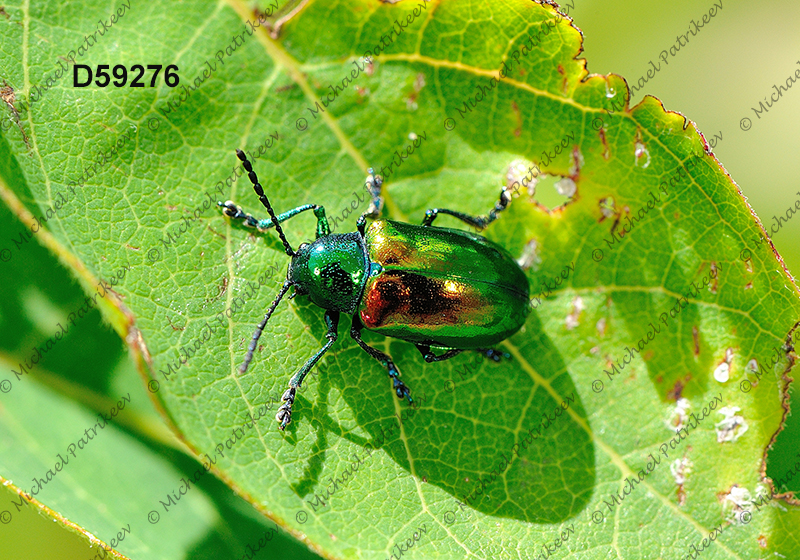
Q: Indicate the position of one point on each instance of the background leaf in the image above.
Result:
(93, 487)
(456, 436)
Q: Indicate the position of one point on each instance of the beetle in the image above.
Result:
(431, 286)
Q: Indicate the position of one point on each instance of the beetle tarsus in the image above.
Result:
(284, 415)
(401, 389)
(230, 209)
(373, 186)
(235, 212)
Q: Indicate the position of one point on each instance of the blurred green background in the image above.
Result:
(714, 80)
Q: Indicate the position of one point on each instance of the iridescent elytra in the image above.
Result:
(434, 287)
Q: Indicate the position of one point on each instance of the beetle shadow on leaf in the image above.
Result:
(490, 434)
(309, 409)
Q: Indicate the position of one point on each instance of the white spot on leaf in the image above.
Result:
(732, 426)
(566, 187)
(678, 416)
(681, 469)
(607, 207)
(738, 500)
(722, 373)
(577, 162)
(572, 318)
(522, 173)
(530, 256)
(639, 152)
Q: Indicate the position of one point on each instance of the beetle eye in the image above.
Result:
(298, 291)
(302, 246)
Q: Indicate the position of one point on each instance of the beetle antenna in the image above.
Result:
(259, 329)
(264, 200)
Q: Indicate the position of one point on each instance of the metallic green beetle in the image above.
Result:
(431, 286)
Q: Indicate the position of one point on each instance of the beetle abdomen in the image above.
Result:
(442, 287)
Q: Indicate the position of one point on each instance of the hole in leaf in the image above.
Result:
(553, 191)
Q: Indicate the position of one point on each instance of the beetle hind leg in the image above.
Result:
(491, 353)
(400, 388)
(429, 356)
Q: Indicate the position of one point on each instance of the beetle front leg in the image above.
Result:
(323, 229)
(235, 212)
(400, 388)
(284, 415)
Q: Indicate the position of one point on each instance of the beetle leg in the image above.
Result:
(400, 388)
(373, 186)
(235, 212)
(493, 354)
(323, 229)
(361, 225)
(431, 357)
(284, 415)
(479, 222)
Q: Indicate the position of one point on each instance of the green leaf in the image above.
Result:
(30, 519)
(89, 366)
(472, 414)
(84, 470)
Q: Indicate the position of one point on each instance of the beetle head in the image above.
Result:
(332, 271)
